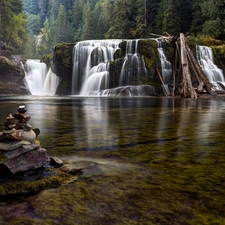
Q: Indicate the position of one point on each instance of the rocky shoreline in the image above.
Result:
(28, 168)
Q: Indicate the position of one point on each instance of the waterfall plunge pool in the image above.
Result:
(154, 161)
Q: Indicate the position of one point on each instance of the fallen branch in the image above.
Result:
(160, 77)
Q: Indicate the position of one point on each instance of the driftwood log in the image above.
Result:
(187, 88)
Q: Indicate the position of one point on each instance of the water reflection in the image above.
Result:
(149, 155)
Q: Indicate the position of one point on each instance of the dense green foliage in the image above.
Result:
(12, 24)
(53, 21)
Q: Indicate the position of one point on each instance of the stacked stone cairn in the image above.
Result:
(19, 144)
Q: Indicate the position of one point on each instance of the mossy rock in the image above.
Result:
(62, 54)
(35, 180)
(47, 59)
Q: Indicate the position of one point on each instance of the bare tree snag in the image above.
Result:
(188, 89)
(193, 68)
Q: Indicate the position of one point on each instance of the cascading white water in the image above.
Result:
(38, 79)
(215, 75)
(166, 66)
(133, 64)
(90, 65)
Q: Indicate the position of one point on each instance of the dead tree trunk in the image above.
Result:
(188, 89)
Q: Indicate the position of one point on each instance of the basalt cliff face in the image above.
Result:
(11, 73)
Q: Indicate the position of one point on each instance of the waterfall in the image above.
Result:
(165, 65)
(215, 75)
(91, 68)
(39, 79)
(133, 65)
(90, 65)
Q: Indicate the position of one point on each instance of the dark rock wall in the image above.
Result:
(62, 66)
(11, 78)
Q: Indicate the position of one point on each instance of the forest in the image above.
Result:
(33, 27)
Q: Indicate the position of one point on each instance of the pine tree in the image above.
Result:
(171, 18)
(140, 19)
(61, 24)
(185, 15)
(214, 12)
(77, 22)
(102, 23)
(120, 23)
(30, 7)
(152, 15)
(43, 7)
(15, 32)
(12, 24)
(88, 29)
(198, 19)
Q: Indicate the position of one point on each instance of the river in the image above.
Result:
(155, 161)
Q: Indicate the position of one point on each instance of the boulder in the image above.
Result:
(62, 66)
(11, 78)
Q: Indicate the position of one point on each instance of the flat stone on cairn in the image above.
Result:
(17, 143)
(25, 158)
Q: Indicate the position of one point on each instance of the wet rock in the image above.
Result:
(18, 151)
(56, 161)
(32, 159)
(11, 77)
(71, 169)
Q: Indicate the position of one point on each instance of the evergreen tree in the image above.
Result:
(88, 29)
(102, 23)
(198, 19)
(77, 22)
(63, 30)
(12, 24)
(152, 15)
(33, 24)
(214, 12)
(140, 19)
(43, 7)
(30, 7)
(186, 15)
(171, 17)
(120, 23)
(15, 32)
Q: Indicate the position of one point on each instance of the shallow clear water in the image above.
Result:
(153, 161)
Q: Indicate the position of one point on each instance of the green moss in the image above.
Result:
(47, 59)
(149, 62)
(63, 54)
(18, 185)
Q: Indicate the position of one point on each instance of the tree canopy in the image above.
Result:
(12, 24)
(54, 21)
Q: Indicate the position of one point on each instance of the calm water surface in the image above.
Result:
(152, 161)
